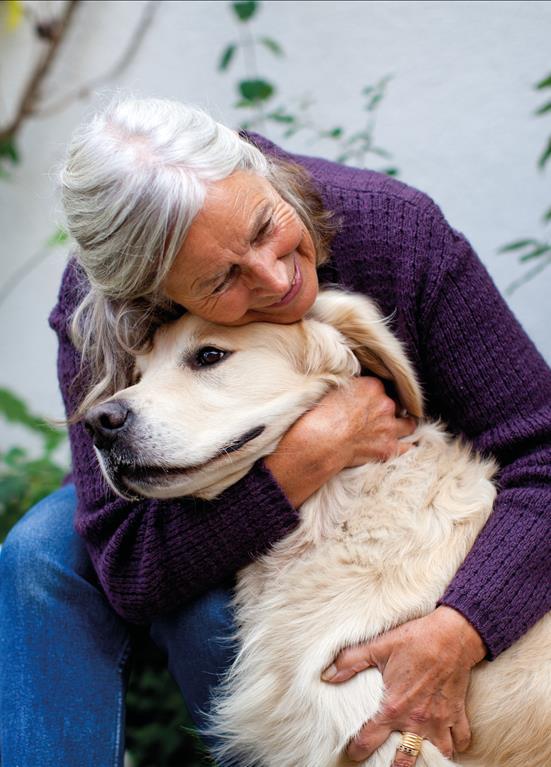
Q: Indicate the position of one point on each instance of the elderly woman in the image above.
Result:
(174, 212)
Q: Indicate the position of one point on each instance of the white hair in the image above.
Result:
(135, 177)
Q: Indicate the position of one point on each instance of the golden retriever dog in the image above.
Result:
(375, 547)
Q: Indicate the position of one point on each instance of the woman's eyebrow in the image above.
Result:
(258, 219)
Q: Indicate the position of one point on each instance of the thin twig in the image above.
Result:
(23, 271)
(31, 93)
(121, 65)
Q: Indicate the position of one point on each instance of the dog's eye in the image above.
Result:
(209, 355)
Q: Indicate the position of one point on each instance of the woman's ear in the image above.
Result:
(365, 330)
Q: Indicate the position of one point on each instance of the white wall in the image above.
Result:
(458, 118)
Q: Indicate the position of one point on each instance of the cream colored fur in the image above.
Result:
(375, 547)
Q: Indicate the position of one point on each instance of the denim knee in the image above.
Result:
(199, 642)
(44, 547)
(63, 650)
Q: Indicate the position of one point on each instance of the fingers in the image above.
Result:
(461, 734)
(443, 742)
(374, 734)
(405, 426)
(348, 663)
(368, 740)
(408, 751)
(403, 760)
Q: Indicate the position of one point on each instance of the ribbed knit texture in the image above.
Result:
(479, 372)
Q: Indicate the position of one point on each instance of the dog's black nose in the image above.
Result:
(105, 423)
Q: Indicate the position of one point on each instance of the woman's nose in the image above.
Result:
(269, 274)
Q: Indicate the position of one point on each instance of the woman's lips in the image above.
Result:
(293, 290)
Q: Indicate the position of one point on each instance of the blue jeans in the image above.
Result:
(64, 652)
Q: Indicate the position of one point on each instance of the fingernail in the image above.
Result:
(329, 673)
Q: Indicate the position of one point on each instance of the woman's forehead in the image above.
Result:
(235, 198)
(233, 208)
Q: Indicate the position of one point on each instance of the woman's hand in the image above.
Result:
(426, 667)
(349, 427)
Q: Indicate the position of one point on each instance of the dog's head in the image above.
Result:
(211, 400)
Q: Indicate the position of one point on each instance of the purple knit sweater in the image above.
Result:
(479, 372)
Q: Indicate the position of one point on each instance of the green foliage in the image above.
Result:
(227, 56)
(245, 10)
(255, 91)
(9, 155)
(24, 480)
(59, 237)
(271, 45)
(534, 249)
(159, 732)
(257, 94)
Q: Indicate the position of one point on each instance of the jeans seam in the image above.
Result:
(121, 663)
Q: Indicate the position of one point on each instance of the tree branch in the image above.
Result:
(120, 66)
(31, 94)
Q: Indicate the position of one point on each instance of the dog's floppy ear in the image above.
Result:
(325, 352)
(360, 322)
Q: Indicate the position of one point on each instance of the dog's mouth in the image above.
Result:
(130, 475)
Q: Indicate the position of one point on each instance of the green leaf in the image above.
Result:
(543, 109)
(391, 171)
(374, 102)
(226, 57)
(271, 44)
(344, 157)
(333, 133)
(14, 456)
(14, 410)
(292, 131)
(546, 154)
(255, 91)
(59, 237)
(536, 253)
(245, 10)
(9, 151)
(517, 245)
(281, 117)
(545, 83)
(547, 216)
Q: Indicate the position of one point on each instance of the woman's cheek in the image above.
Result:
(232, 307)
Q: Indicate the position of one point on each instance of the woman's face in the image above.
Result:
(247, 257)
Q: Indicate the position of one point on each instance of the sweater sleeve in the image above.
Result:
(153, 556)
(487, 380)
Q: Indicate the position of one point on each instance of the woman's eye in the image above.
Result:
(264, 230)
(209, 355)
(228, 279)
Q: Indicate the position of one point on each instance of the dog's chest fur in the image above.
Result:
(375, 547)
(402, 527)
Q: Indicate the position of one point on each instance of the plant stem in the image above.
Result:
(31, 93)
